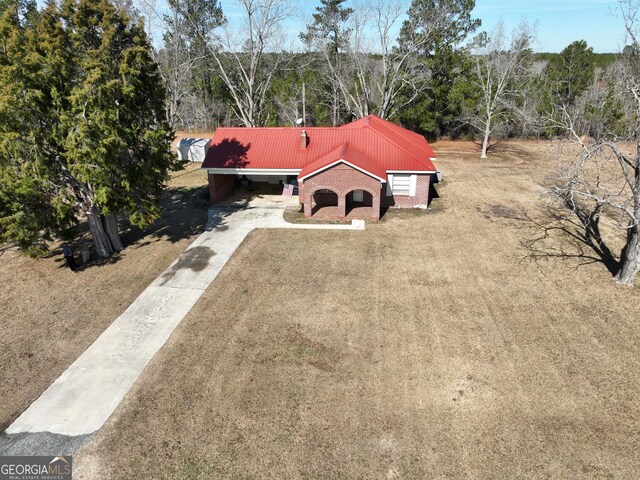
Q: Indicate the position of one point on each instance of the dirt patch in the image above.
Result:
(296, 215)
(422, 347)
(500, 211)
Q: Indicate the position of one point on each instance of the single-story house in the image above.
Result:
(367, 163)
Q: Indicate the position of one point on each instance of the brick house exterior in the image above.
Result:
(420, 199)
(370, 164)
(220, 185)
(341, 179)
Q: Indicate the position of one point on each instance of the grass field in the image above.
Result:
(427, 346)
(51, 315)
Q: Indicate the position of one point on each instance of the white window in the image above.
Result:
(402, 184)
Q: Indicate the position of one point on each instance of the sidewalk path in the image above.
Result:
(80, 401)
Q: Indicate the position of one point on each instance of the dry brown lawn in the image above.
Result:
(427, 346)
(51, 315)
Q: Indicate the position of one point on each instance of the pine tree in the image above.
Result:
(329, 24)
(329, 32)
(445, 24)
(570, 73)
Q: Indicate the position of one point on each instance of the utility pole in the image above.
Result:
(304, 104)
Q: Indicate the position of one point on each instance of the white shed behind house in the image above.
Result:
(193, 149)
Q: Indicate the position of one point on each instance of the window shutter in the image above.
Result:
(401, 184)
(412, 185)
(389, 185)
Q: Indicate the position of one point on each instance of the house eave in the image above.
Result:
(342, 160)
(255, 171)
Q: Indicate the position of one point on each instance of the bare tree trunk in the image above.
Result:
(336, 106)
(111, 228)
(629, 258)
(485, 141)
(100, 237)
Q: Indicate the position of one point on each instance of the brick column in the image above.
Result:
(342, 206)
(220, 185)
(308, 207)
(212, 188)
(301, 198)
(375, 206)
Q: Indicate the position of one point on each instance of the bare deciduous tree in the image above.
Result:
(176, 64)
(501, 63)
(371, 74)
(604, 180)
(180, 57)
(248, 54)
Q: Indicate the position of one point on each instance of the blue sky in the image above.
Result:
(559, 21)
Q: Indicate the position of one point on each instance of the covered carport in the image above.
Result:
(224, 183)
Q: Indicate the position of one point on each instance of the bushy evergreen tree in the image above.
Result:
(570, 73)
(83, 129)
(446, 24)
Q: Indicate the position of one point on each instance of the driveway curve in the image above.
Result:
(81, 400)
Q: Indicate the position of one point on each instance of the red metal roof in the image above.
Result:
(348, 154)
(382, 143)
(401, 136)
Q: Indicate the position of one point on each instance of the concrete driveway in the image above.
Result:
(80, 401)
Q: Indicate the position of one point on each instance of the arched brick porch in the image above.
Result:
(343, 180)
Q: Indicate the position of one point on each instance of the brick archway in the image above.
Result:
(343, 180)
(323, 198)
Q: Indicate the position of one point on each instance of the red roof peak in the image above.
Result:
(343, 151)
(349, 155)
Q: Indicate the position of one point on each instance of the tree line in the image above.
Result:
(93, 90)
(425, 64)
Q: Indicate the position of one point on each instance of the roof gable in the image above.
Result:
(348, 155)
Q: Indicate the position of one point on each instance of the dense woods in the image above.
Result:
(426, 64)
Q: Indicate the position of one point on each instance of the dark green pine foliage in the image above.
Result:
(328, 35)
(565, 77)
(570, 73)
(329, 24)
(30, 212)
(90, 139)
(445, 24)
